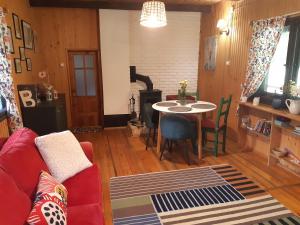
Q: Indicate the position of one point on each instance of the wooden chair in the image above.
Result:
(217, 127)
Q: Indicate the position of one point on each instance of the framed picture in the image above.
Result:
(27, 35)
(210, 53)
(16, 21)
(10, 44)
(18, 66)
(28, 64)
(35, 41)
(22, 53)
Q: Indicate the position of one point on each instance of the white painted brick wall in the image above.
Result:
(168, 55)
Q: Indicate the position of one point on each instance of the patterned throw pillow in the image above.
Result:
(50, 204)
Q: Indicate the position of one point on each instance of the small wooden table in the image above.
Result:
(196, 108)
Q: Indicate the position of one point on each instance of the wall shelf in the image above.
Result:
(280, 136)
(269, 109)
(288, 129)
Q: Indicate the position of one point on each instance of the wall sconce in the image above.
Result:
(224, 25)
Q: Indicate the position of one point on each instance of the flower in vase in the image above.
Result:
(183, 84)
(182, 91)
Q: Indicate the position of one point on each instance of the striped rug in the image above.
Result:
(208, 195)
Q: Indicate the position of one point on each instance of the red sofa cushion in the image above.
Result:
(15, 205)
(50, 204)
(20, 159)
(85, 214)
(84, 188)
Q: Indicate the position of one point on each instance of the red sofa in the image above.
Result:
(20, 166)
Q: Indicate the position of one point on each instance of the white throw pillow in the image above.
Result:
(63, 154)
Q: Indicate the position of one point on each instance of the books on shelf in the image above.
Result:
(263, 126)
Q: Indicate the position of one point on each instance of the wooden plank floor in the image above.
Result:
(119, 154)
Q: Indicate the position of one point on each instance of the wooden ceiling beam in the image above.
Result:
(115, 5)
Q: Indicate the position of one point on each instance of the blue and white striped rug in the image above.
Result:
(208, 195)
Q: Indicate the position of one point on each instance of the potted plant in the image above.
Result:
(292, 92)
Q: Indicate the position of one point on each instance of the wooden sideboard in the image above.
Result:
(280, 137)
(46, 117)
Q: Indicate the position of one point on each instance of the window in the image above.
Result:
(85, 74)
(286, 61)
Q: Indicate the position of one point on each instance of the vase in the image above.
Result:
(277, 103)
(293, 106)
(182, 96)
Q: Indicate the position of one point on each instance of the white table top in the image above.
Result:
(193, 111)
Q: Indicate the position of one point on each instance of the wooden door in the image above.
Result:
(84, 78)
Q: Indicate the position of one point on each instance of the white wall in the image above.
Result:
(168, 55)
(114, 36)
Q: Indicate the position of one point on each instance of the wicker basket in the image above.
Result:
(135, 131)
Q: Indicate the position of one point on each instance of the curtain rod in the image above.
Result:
(293, 14)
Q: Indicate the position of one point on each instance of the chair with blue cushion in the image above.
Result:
(176, 127)
(151, 118)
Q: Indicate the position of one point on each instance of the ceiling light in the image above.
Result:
(153, 14)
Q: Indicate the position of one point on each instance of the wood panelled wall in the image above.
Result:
(59, 30)
(3, 129)
(226, 79)
(25, 12)
(63, 30)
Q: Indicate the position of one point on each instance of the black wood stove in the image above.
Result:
(149, 95)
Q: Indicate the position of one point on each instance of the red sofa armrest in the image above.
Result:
(88, 149)
(2, 142)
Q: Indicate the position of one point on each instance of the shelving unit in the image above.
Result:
(257, 134)
(288, 129)
(280, 137)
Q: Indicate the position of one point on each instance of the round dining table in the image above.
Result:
(190, 107)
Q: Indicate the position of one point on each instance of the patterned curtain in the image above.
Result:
(265, 37)
(6, 81)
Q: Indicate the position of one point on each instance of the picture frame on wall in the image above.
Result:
(27, 35)
(17, 26)
(18, 65)
(35, 41)
(210, 53)
(28, 64)
(10, 44)
(22, 53)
